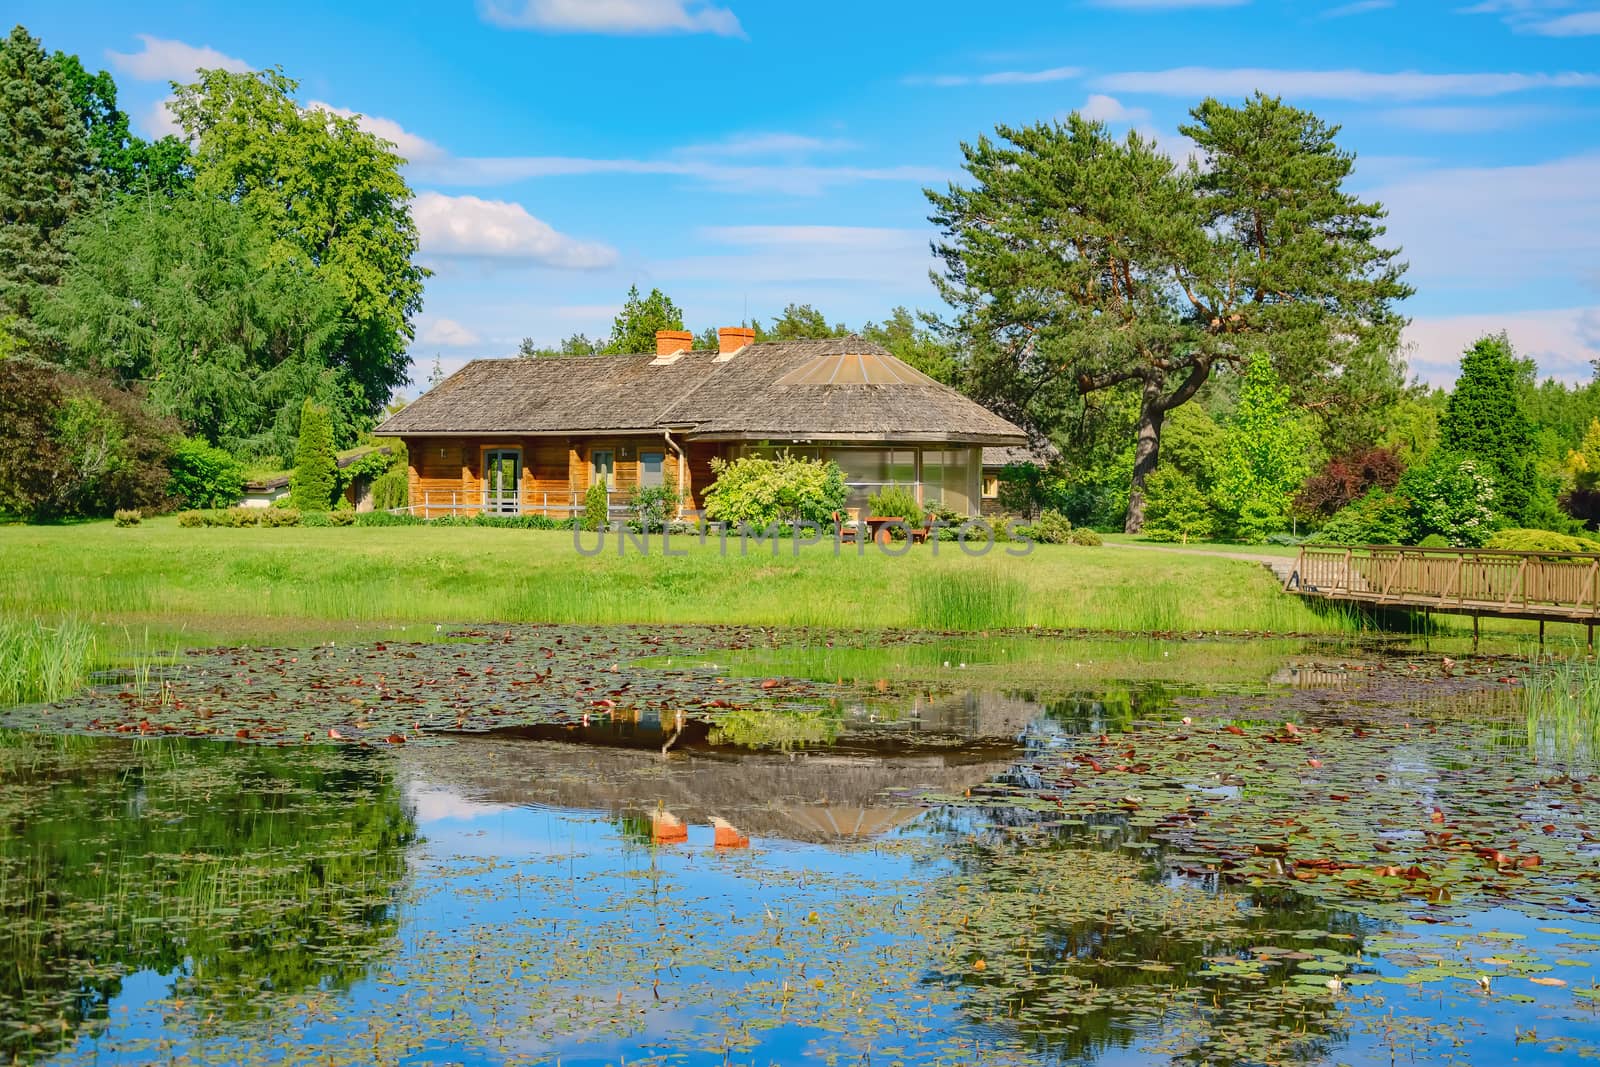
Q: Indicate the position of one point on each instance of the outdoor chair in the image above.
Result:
(848, 527)
(920, 536)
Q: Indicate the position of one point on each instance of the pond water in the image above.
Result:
(721, 846)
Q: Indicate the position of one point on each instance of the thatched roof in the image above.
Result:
(1004, 456)
(835, 389)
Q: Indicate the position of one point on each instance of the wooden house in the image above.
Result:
(530, 436)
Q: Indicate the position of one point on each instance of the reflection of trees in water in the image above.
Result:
(241, 871)
(1086, 948)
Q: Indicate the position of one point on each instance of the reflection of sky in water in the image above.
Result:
(485, 868)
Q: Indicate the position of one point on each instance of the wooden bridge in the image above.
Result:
(1542, 586)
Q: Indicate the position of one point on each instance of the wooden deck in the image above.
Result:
(1455, 581)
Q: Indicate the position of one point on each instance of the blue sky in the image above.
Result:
(743, 154)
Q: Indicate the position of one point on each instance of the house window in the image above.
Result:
(604, 468)
(650, 468)
(991, 486)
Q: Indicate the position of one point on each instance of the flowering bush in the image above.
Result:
(761, 491)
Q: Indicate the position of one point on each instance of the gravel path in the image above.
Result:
(1280, 566)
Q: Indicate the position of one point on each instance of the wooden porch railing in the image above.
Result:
(1467, 581)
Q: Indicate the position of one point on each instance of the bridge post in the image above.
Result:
(1541, 634)
(1475, 632)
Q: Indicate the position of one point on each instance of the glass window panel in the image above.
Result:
(604, 468)
(650, 468)
(862, 465)
(932, 476)
(903, 466)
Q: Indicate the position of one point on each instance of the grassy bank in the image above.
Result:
(168, 583)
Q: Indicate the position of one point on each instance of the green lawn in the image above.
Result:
(218, 583)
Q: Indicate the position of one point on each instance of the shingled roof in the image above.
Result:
(835, 389)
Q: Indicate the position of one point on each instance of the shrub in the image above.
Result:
(391, 489)
(325, 518)
(761, 491)
(384, 518)
(191, 519)
(1378, 518)
(1345, 479)
(650, 506)
(898, 501)
(77, 446)
(1523, 540)
(204, 476)
(1433, 541)
(127, 516)
(499, 522)
(596, 507)
(1175, 509)
(316, 465)
(1452, 497)
(276, 517)
(1085, 536)
(1051, 528)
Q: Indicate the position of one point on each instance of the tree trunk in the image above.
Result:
(1146, 451)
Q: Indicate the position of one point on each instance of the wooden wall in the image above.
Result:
(553, 469)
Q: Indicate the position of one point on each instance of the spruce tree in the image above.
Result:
(44, 177)
(1484, 420)
(316, 475)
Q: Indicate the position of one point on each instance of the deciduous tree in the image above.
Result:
(634, 329)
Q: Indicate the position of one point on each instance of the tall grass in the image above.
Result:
(1561, 697)
(40, 661)
(979, 600)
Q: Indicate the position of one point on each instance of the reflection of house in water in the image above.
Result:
(859, 787)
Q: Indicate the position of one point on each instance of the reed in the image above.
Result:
(980, 600)
(43, 661)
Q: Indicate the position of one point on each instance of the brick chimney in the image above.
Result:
(670, 342)
(732, 338)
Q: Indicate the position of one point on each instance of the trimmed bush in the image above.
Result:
(1051, 528)
(384, 518)
(1433, 541)
(127, 516)
(596, 507)
(1086, 537)
(204, 476)
(316, 464)
(1523, 540)
(192, 519)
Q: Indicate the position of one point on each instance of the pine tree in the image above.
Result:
(1484, 420)
(44, 176)
(636, 324)
(315, 476)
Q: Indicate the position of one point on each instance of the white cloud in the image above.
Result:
(1102, 108)
(468, 226)
(1462, 119)
(447, 332)
(1537, 225)
(767, 144)
(998, 77)
(613, 16)
(1577, 24)
(412, 147)
(163, 60)
(795, 179)
(1561, 342)
(1334, 84)
(159, 121)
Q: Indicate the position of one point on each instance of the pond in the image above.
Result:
(719, 846)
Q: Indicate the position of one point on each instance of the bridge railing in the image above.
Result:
(1486, 580)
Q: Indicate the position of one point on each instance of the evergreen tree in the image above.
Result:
(1484, 420)
(121, 161)
(802, 322)
(316, 469)
(44, 177)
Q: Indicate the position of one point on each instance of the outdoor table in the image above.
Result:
(880, 525)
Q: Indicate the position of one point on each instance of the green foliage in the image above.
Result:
(44, 178)
(1412, 430)
(333, 200)
(1583, 463)
(76, 446)
(800, 322)
(204, 476)
(1051, 528)
(634, 329)
(1381, 517)
(1085, 537)
(1264, 456)
(391, 489)
(761, 491)
(1525, 540)
(1450, 496)
(968, 600)
(576, 345)
(1194, 443)
(127, 516)
(1076, 260)
(315, 478)
(1484, 420)
(896, 500)
(1433, 541)
(651, 506)
(318, 519)
(123, 162)
(190, 295)
(1176, 509)
(1020, 488)
(596, 507)
(384, 518)
(240, 518)
(913, 340)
